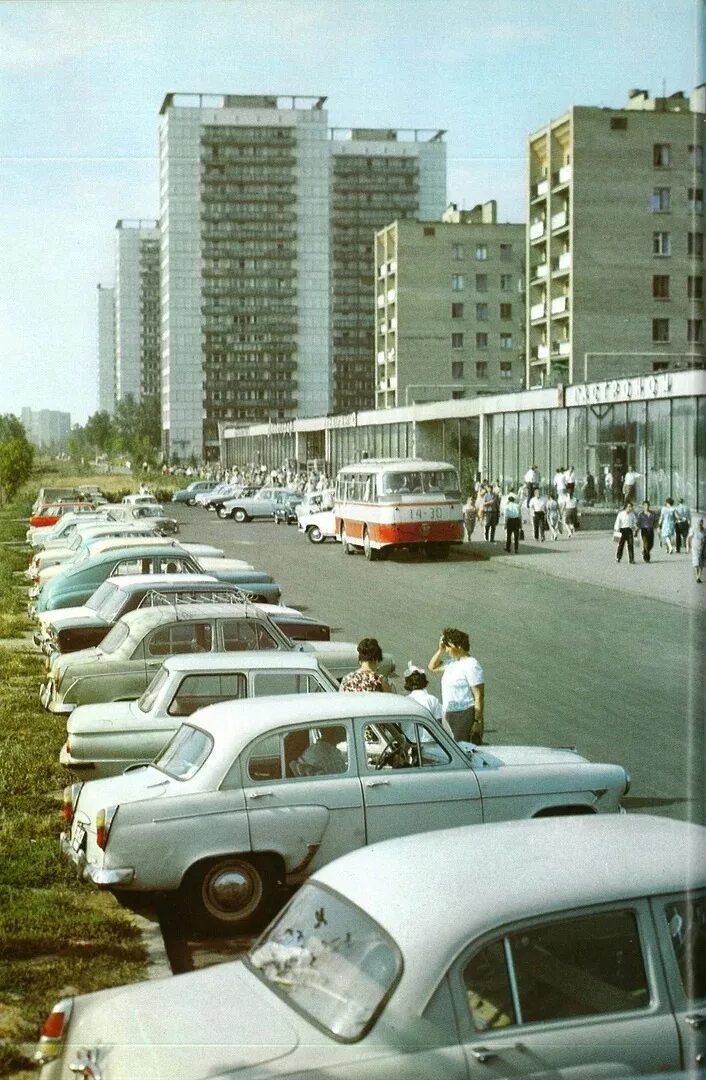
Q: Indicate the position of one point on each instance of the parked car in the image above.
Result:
(60, 532)
(47, 495)
(139, 498)
(120, 668)
(249, 507)
(213, 500)
(80, 541)
(103, 740)
(318, 526)
(66, 630)
(564, 948)
(49, 514)
(296, 625)
(249, 794)
(188, 494)
(76, 584)
(148, 513)
(285, 508)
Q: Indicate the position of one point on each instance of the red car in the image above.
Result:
(50, 513)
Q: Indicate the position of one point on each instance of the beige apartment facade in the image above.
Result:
(450, 308)
(615, 241)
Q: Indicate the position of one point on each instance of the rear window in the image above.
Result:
(114, 638)
(185, 753)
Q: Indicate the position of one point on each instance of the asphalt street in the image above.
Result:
(614, 673)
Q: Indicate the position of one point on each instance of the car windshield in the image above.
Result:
(113, 604)
(153, 690)
(114, 638)
(185, 753)
(330, 960)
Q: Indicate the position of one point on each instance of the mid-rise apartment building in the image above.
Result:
(245, 263)
(137, 311)
(106, 349)
(615, 240)
(450, 311)
(46, 428)
(377, 176)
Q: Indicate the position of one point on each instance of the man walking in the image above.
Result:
(646, 523)
(682, 520)
(538, 510)
(532, 479)
(625, 525)
(513, 522)
(630, 484)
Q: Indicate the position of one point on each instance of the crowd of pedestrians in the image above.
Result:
(673, 526)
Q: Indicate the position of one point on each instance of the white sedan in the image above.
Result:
(563, 949)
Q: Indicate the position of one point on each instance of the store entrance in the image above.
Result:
(607, 463)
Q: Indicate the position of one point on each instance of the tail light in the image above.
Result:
(104, 819)
(53, 1033)
(71, 794)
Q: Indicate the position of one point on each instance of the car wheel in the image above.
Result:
(191, 502)
(315, 534)
(369, 551)
(239, 515)
(222, 513)
(229, 893)
(348, 549)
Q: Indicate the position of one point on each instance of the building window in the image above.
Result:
(695, 288)
(429, 230)
(457, 282)
(481, 369)
(661, 243)
(660, 286)
(457, 251)
(481, 282)
(662, 155)
(457, 311)
(618, 123)
(506, 252)
(506, 282)
(660, 203)
(457, 369)
(482, 312)
(660, 330)
(506, 341)
(506, 311)
(660, 365)
(696, 157)
(457, 395)
(457, 341)
(481, 341)
(696, 200)
(695, 244)
(695, 331)
(481, 252)
(505, 369)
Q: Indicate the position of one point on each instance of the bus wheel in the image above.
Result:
(347, 548)
(371, 553)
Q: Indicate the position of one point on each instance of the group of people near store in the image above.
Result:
(672, 525)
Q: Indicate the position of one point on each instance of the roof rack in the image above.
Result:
(155, 598)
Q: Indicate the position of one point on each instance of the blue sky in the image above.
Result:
(81, 83)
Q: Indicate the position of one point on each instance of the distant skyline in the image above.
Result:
(82, 81)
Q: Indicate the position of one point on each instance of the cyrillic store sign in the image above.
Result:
(637, 388)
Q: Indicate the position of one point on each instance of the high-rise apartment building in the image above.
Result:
(615, 240)
(245, 263)
(106, 348)
(137, 322)
(46, 428)
(377, 176)
(450, 308)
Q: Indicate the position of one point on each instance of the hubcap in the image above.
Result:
(229, 891)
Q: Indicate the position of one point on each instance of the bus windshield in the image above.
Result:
(435, 482)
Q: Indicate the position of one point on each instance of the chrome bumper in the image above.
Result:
(97, 875)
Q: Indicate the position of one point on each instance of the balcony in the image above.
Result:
(560, 305)
(538, 311)
(381, 300)
(536, 230)
(562, 264)
(563, 348)
(381, 356)
(541, 270)
(560, 220)
(562, 176)
(391, 296)
(542, 352)
(540, 188)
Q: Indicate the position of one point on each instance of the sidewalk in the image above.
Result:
(590, 558)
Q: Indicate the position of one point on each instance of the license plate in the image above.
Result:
(78, 838)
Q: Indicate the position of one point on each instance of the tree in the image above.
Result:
(16, 455)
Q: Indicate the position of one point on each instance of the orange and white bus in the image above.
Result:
(398, 502)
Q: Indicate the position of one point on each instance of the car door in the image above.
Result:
(412, 781)
(194, 636)
(309, 810)
(573, 996)
(681, 927)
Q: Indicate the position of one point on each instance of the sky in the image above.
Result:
(82, 81)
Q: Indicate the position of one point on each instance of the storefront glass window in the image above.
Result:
(559, 448)
(540, 458)
(684, 450)
(658, 481)
(509, 478)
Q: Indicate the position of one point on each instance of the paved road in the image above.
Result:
(602, 667)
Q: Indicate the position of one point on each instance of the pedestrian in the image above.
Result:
(608, 485)
(682, 520)
(667, 526)
(559, 482)
(553, 518)
(491, 514)
(538, 510)
(630, 484)
(415, 683)
(532, 479)
(624, 528)
(570, 478)
(366, 677)
(469, 516)
(697, 546)
(570, 513)
(462, 685)
(588, 491)
(646, 523)
(513, 522)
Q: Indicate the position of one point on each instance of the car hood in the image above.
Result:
(100, 717)
(494, 757)
(155, 1028)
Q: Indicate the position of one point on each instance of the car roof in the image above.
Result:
(166, 612)
(263, 659)
(476, 878)
(145, 551)
(158, 582)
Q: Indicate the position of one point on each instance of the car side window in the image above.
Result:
(196, 691)
(246, 634)
(127, 566)
(581, 966)
(686, 923)
(308, 751)
(182, 637)
(283, 682)
(404, 744)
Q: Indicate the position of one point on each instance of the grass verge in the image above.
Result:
(57, 937)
